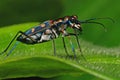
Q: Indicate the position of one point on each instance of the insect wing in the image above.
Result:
(39, 30)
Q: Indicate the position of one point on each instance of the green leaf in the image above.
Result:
(38, 60)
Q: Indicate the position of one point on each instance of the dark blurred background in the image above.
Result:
(21, 11)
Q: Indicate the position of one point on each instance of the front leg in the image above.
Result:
(79, 44)
(64, 33)
(76, 36)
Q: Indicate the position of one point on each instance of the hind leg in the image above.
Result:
(14, 39)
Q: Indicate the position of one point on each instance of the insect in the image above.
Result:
(51, 29)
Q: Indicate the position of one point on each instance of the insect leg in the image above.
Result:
(72, 46)
(9, 44)
(15, 45)
(14, 39)
(65, 46)
(79, 44)
(54, 48)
